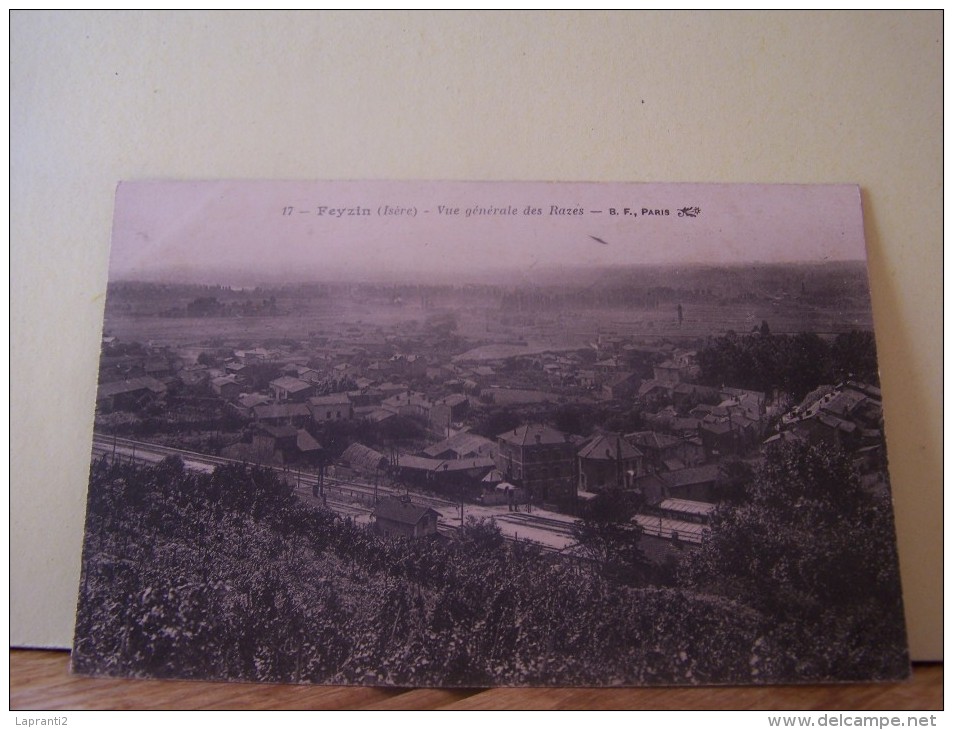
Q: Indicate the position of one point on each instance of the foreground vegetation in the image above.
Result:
(228, 576)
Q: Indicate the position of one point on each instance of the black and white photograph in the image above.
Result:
(451, 434)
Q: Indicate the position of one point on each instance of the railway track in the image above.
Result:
(152, 453)
(128, 447)
(346, 497)
(561, 527)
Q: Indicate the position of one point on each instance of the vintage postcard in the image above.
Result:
(489, 434)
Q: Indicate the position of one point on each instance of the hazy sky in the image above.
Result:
(272, 228)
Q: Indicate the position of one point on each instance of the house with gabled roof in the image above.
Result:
(400, 517)
(654, 392)
(333, 407)
(732, 434)
(692, 483)
(461, 445)
(280, 414)
(287, 388)
(286, 445)
(667, 372)
(245, 403)
(408, 403)
(447, 410)
(226, 386)
(608, 461)
(660, 448)
(157, 367)
(620, 385)
(129, 394)
(442, 474)
(194, 376)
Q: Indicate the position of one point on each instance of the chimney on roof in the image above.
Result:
(539, 437)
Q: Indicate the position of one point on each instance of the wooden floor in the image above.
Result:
(40, 680)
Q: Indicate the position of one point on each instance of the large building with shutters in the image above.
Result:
(539, 459)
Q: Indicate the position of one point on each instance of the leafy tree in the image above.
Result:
(568, 419)
(726, 361)
(815, 553)
(796, 365)
(497, 421)
(607, 537)
(805, 364)
(260, 374)
(208, 359)
(854, 355)
(734, 480)
(401, 429)
(481, 538)
(587, 356)
(627, 421)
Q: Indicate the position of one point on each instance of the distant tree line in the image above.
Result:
(794, 364)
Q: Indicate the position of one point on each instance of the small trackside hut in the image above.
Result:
(399, 517)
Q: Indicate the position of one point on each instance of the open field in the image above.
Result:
(553, 330)
(565, 307)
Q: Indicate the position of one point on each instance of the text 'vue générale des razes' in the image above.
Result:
(350, 211)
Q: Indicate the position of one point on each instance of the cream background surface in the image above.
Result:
(98, 97)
